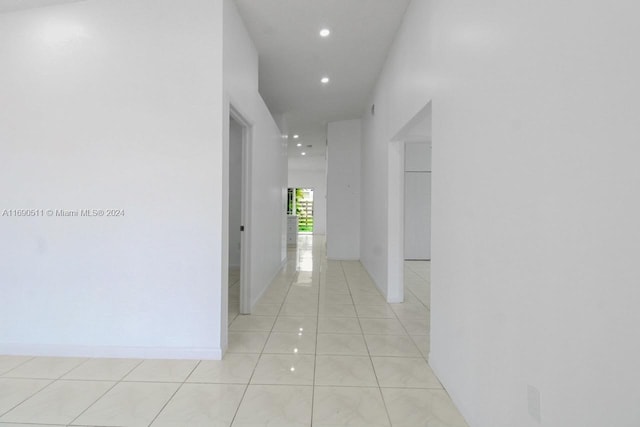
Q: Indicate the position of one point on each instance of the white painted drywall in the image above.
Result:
(417, 156)
(395, 103)
(311, 172)
(535, 231)
(235, 192)
(15, 5)
(343, 189)
(417, 200)
(417, 216)
(112, 104)
(268, 155)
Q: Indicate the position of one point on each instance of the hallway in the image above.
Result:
(322, 348)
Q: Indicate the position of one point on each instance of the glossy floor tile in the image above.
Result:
(404, 372)
(421, 408)
(58, 403)
(253, 323)
(342, 344)
(14, 391)
(8, 363)
(391, 345)
(247, 342)
(233, 369)
(284, 369)
(291, 343)
(339, 325)
(201, 405)
(349, 406)
(162, 371)
(355, 371)
(285, 406)
(128, 404)
(322, 349)
(44, 367)
(103, 369)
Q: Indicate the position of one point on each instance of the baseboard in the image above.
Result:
(257, 297)
(182, 353)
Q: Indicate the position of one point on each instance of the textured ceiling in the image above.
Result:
(293, 58)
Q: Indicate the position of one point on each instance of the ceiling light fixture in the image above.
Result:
(325, 80)
(325, 32)
(298, 145)
(304, 154)
(296, 136)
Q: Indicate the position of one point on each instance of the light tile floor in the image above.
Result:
(322, 349)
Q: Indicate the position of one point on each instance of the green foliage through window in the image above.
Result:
(300, 201)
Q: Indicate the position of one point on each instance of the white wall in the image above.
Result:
(343, 189)
(417, 156)
(535, 236)
(403, 90)
(112, 105)
(417, 200)
(311, 172)
(235, 192)
(268, 154)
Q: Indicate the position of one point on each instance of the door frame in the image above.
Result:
(416, 129)
(245, 238)
(395, 223)
(313, 190)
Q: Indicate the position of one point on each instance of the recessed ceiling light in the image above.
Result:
(325, 32)
(304, 154)
(325, 80)
(298, 145)
(296, 136)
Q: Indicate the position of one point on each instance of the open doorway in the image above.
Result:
(417, 222)
(238, 231)
(409, 210)
(300, 204)
(417, 201)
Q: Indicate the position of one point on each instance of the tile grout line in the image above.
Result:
(28, 397)
(373, 367)
(287, 285)
(18, 365)
(52, 381)
(107, 391)
(424, 356)
(246, 388)
(174, 393)
(315, 353)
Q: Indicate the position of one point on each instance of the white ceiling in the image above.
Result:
(293, 59)
(14, 5)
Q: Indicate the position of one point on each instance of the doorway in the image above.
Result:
(409, 207)
(417, 201)
(300, 204)
(238, 264)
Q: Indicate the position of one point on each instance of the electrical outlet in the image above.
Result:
(533, 397)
